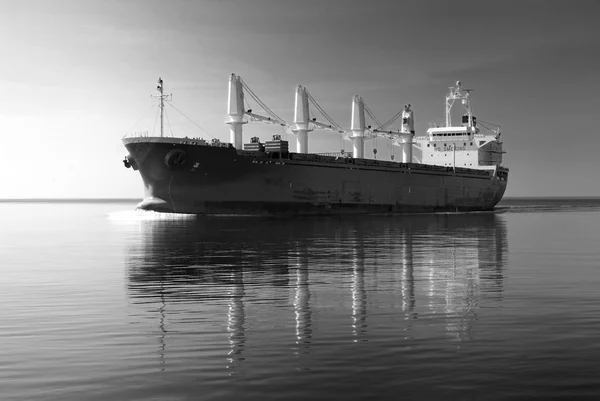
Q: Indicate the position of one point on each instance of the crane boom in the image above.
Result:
(257, 117)
(270, 112)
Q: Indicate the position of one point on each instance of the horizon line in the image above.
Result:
(82, 199)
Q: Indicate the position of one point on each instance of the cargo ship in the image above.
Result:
(460, 166)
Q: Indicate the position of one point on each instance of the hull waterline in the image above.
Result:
(183, 176)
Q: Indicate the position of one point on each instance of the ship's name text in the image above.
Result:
(450, 148)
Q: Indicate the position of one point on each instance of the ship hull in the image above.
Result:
(222, 180)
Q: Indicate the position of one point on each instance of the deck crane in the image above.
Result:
(236, 110)
(359, 132)
(402, 137)
(303, 123)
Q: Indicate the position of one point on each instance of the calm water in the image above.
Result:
(100, 302)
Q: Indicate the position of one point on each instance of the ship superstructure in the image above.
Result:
(465, 145)
(460, 167)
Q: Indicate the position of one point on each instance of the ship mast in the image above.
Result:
(161, 97)
(464, 95)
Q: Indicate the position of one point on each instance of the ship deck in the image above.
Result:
(341, 161)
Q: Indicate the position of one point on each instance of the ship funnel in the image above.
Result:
(358, 127)
(235, 110)
(301, 119)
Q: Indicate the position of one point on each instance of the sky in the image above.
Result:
(77, 76)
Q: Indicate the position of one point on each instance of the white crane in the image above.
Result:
(236, 110)
(303, 123)
(360, 131)
(404, 136)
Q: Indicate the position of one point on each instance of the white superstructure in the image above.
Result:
(464, 145)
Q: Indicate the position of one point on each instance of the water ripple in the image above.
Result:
(150, 306)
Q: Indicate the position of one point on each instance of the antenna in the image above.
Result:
(161, 98)
(464, 95)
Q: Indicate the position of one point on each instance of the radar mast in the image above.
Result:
(161, 98)
(457, 92)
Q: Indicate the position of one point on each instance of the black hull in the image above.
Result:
(184, 177)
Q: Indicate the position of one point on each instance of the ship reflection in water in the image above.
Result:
(245, 293)
(359, 295)
(236, 319)
(302, 303)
